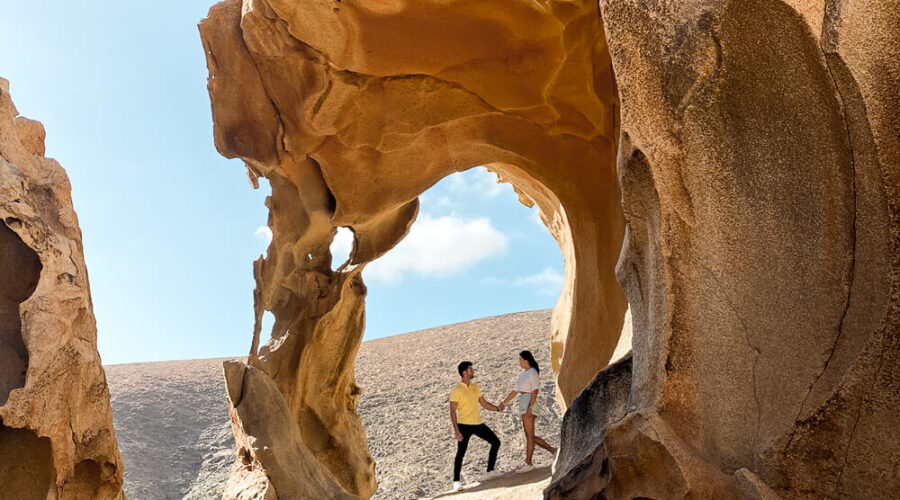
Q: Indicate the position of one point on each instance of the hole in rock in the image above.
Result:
(26, 470)
(341, 246)
(268, 321)
(20, 269)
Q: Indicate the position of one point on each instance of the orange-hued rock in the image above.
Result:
(56, 432)
(353, 109)
(759, 163)
(756, 152)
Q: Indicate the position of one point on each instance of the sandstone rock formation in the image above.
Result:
(605, 401)
(56, 433)
(351, 110)
(760, 168)
(757, 156)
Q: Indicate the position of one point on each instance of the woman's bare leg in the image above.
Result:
(528, 424)
(543, 444)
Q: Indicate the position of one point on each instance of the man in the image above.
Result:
(466, 419)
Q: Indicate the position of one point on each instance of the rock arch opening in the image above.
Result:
(350, 132)
(474, 250)
(466, 258)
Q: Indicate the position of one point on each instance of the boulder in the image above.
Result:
(601, 404)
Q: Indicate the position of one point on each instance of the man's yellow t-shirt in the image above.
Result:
(466, 398)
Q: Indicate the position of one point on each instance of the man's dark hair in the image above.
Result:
(463, 367)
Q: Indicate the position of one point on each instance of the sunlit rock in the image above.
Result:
(56, 433)
(757, 171)
(354, 109)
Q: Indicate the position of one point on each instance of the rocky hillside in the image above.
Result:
(171, 419)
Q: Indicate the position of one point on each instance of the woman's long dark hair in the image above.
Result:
(526, 355)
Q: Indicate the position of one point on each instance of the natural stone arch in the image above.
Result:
(759, 176)
(349, 132)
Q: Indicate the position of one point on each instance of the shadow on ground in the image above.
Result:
(511, 486)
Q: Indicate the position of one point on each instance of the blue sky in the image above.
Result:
(171, 228)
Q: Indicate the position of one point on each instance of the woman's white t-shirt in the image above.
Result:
(528, 381)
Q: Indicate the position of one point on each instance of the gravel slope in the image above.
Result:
(171, 418)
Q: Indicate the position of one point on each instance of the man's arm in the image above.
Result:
(453, 405)
(487, 406)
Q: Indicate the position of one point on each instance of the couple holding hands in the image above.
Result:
(466, 418)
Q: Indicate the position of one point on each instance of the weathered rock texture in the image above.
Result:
(758, 162)
(578, 469)
(353, 109)
(56, 433)
(759, 169)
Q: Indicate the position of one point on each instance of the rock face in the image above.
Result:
(759, 170)
(578, 471)
(758, 152)
(351, 110)
(56, 433)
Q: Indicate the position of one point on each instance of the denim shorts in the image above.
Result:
(524, 400)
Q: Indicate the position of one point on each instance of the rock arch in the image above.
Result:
(349, 131)
(757, 146)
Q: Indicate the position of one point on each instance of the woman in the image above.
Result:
(527, 386)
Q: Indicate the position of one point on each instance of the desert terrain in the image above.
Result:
(171, 418)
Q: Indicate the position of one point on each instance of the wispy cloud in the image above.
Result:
(439, 247)
(263, 233)
(341, 246)
(535, 217)
(547, 282)
(432, 201)
(477, 181)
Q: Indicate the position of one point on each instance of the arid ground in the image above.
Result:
(171, 418)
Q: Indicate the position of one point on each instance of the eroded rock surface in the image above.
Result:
(56, 433)
(578, 470)
(759, 170)
(351, 110)
(757, 156)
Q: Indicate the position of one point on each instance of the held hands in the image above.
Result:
(501, 407)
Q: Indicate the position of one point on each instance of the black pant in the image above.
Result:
(482, 431)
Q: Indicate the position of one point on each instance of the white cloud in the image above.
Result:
(432, 201)
(547, 282)
(264, 233)
(438, 247)
(479, 181)
(535, 217)
(341, 246)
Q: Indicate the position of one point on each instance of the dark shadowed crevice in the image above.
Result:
(91, 480)
(20, 269)
(26, 469)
